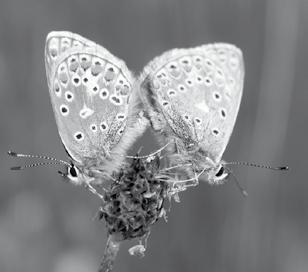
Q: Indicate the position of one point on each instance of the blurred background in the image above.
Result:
(47, 225)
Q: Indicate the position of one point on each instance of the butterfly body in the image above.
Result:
(96, 108)
(192, 97)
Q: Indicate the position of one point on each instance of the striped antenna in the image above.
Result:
(34, 165)
(52, 161)
(279, 168)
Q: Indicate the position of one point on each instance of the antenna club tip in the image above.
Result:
(284, 168)
(12, 153)
(16, 168)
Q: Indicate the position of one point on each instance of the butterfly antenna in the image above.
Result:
(42, 157)
(35, 165)
(279, 168)
(238, 185)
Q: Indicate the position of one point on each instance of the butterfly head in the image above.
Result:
(74, 175)
(218, 175)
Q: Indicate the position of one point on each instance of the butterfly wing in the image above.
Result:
(58, 42)
(194, 95)
(90, 91)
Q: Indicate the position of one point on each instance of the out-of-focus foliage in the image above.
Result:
(45, 225)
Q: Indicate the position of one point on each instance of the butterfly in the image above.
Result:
(95, 103)
(192, 97)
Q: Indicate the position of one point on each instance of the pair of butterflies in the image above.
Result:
(190, 97)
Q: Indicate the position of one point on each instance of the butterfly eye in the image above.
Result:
(73, 171)
(220, 172)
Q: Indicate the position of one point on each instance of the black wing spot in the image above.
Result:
(217, 96)
(215, 131)
(116, 100)
(120, 116)
(209, 63)
(79, 136)
(182, 88)
(103, 126)
(93, 127)
(171, 93)
(198, 120)
(64, 110)
(208, 81)
(76, 80)
(223, 113)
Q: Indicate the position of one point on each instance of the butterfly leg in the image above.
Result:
(93, 190)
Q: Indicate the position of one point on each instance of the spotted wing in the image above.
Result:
(194, 94)
(58, 42)
(89, 89)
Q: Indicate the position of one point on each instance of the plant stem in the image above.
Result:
(110, 254)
